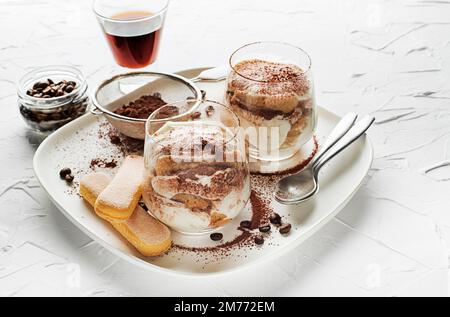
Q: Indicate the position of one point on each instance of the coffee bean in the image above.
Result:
(203, 94)
(246, 224)
(69, 178)
(40, 85)
(196, 115)
(72, 83)
(64, 172)
(30, 92)
(264, 229)
(47, 96)
(204, 144)
(69, 89)
(50, 82)
(38, 95)
(275, 218)
(259, 240)
(286, 228)
(59, 93)
(216, 236)
(209, 111)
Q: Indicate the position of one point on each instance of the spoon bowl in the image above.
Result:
(302, 186)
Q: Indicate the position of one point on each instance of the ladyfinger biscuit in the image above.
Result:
(149, 236)
(92, 185)
(118, 201)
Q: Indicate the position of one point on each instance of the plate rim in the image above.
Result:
(158, 269)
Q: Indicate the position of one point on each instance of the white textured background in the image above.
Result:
(388, 58)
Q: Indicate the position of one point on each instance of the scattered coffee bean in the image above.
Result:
(196, 115)
(210, 111)
(246, 224)
(216, 236)
(275, 218)
(204, 143)
(259, 240)
(64, 172)
(69, 178)
(286, 228)
(264, 229)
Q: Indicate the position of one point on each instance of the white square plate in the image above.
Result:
(76, 144)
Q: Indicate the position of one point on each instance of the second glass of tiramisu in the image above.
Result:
(270, 88)
(197, 177)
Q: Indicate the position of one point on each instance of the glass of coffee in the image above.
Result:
(132, 29)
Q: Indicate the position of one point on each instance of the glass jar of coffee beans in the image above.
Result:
(51, 97)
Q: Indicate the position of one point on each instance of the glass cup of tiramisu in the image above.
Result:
(270, 88)
(197, 177)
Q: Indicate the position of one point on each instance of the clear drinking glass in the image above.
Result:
(197, 177)
(133, 29)
(271, 89)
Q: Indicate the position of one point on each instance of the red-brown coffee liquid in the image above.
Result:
(134, 51)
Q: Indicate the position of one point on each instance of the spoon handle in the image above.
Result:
(338, 132)
(212, 75)
(354, 134)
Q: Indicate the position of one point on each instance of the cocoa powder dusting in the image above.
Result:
(142, 108)
(239, 240)
(124, 144)
(103, 163)
(261, 210)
